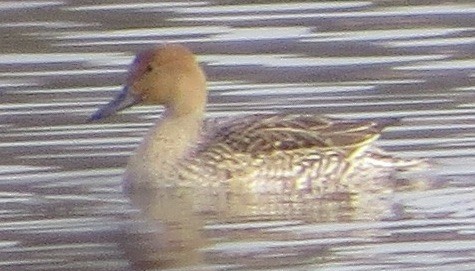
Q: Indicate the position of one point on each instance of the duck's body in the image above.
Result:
(262, 153)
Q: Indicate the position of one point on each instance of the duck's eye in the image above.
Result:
(149, 68)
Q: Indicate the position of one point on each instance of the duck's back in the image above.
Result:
(278, 153)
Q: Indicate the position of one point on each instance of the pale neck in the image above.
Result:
(191, 107)
(172, 136)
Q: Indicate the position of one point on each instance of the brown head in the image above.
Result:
(167, 75)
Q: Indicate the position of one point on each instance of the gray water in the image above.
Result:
(61, 207)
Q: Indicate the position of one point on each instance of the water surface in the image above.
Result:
(61, 205)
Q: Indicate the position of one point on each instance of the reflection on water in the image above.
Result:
(61, 206)
(183, 227)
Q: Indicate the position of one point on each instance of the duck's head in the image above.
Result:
(166, 75)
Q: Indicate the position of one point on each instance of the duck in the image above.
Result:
(257, 153)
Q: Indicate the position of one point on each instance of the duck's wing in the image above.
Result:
(267, 134)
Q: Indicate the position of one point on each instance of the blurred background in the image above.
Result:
(61, 206)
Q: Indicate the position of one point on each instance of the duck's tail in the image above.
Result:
(380, 158)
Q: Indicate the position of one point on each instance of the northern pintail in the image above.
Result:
(259, 152)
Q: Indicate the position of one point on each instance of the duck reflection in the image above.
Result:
(190, 174)
(189, 228)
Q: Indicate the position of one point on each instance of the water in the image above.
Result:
(61, 206)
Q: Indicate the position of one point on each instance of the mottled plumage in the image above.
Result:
(285, 153)
(258, 153)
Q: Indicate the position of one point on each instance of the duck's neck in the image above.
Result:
(172, 138)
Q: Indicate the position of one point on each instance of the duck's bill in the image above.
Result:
(123, 100)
